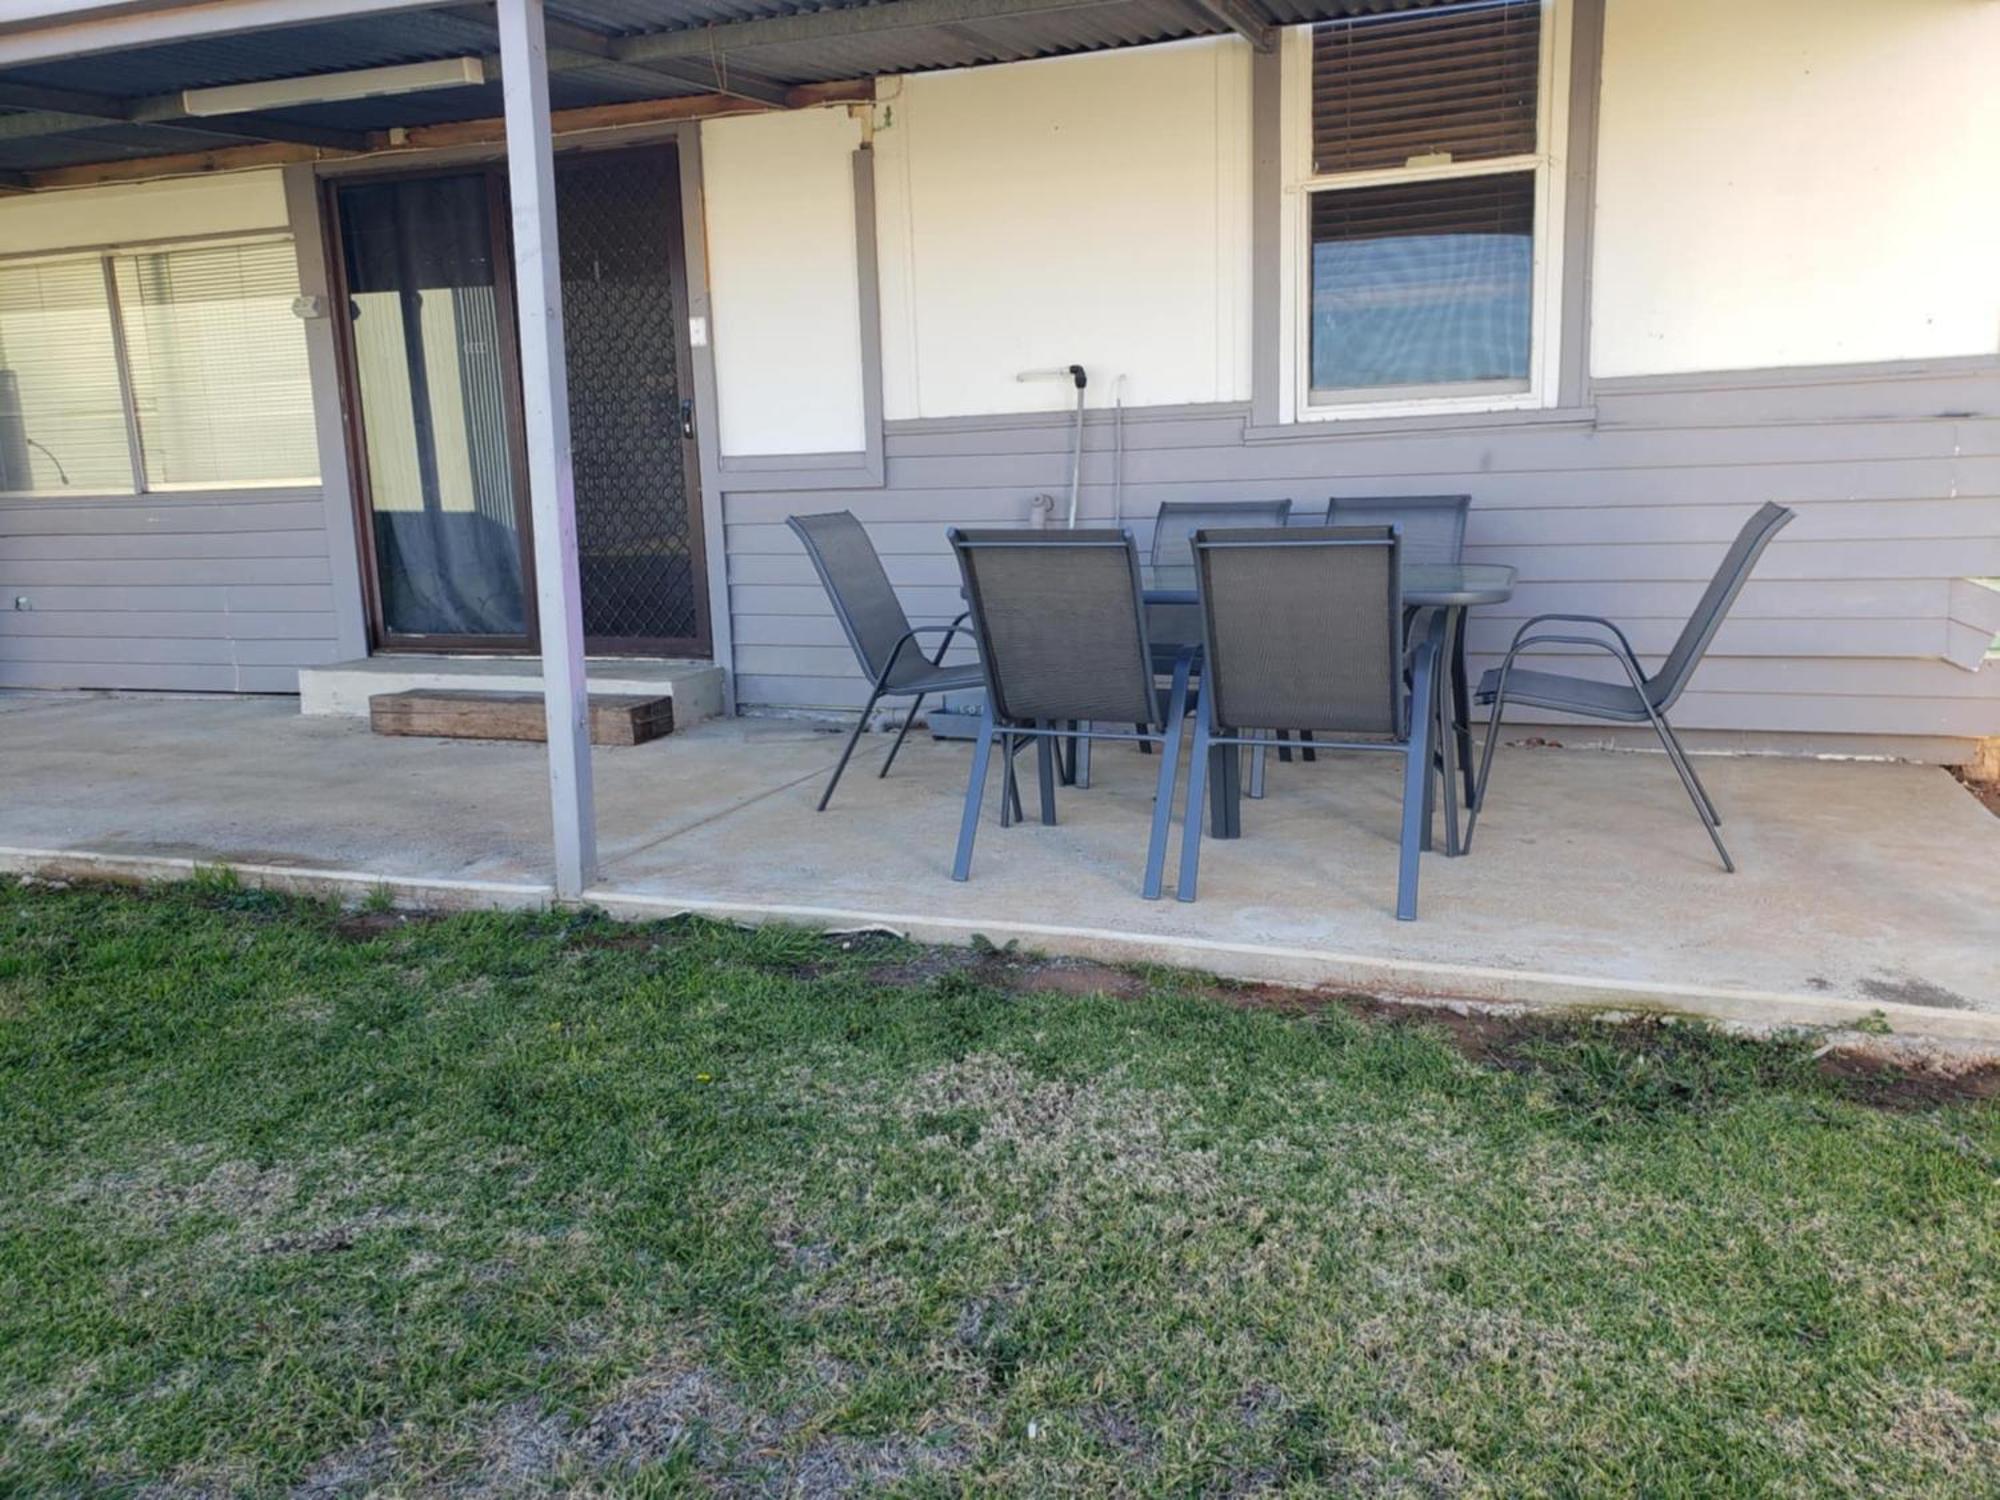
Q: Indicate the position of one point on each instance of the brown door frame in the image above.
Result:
(381, 638)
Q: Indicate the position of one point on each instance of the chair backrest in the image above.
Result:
(1172, 556)
(1174, 527)
(1333, 596)
(1062, 630)
(863, 598)
(1665, 685)
(1433, 526)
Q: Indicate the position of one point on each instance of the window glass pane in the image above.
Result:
(1458, 81)
(1422, 283)
(62, 420)
(430, 367)
(218, 363)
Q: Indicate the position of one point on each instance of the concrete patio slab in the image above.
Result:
(1863, 887)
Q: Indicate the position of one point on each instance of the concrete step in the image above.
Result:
(344, 688)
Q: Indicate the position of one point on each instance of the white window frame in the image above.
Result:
(105, 255)
(1296, 403)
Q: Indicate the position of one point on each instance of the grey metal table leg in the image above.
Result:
(1461, 712)
(1446, 737)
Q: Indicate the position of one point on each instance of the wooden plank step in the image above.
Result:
(462, 714)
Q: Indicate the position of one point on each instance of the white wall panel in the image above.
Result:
(1087, 210)
(138, 212)
(1792, 182)
(782, 281)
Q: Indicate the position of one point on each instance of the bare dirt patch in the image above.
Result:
(1509, 1040)
(1008, 971)
(367, 926)
(1869, 1080)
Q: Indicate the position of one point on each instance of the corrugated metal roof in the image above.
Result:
(416, 36)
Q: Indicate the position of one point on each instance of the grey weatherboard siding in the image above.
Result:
(195, 591)
(1856, 624)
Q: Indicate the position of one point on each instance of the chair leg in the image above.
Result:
(975, 792)
(1144, 747)
(901, 734)
(1485, 768)
(1257, 757)
(1046, 752)
(1066, 754)
(1695, 794)
(1284, 747)
(1306, 751)
(1163, 791)
(1461, 700)
(847, 750)
(1082, 763)
(1199, 758)
(1416, 793)
(1447, 760)
(1010, 799)
(1224, 791)
(1687, 760)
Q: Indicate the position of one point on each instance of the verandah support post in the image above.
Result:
(545, 402)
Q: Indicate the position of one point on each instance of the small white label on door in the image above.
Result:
(698, 332)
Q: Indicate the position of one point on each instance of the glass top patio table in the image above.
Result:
(1425, 585)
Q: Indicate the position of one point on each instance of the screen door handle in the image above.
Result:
(687, 417)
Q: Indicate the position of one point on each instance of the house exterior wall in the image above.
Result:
(1099, 210)
(224, 590)
(1782, 282)
(783, 279)
(1796, 183)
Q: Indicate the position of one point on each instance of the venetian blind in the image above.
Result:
(62, 420)
(1457, 80)
(218, 363)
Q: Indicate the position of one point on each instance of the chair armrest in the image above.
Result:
(1597, 620)
(1624, 658)
(896, 652)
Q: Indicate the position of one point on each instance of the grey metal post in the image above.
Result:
(545, 402)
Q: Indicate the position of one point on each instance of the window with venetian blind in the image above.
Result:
(177, 368)
(1423, 195)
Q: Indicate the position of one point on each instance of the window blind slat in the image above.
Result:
(1461, 80)
(218, 362)
(62, 419)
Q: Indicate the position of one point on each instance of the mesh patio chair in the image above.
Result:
(1062, 630)
(884, 641)
(1433, 528)
(1640, 699)
(1334, 595)
(1173, 627)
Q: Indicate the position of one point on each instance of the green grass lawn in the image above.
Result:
(292, 1201)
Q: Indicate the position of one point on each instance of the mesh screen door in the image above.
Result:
(639, 539)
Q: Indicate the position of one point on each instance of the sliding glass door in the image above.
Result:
(429, 338)
(434, 406)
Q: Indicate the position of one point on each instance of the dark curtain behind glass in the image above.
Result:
(424, 301)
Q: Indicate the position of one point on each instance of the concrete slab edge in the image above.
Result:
(297, 880)
(1387, 978)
